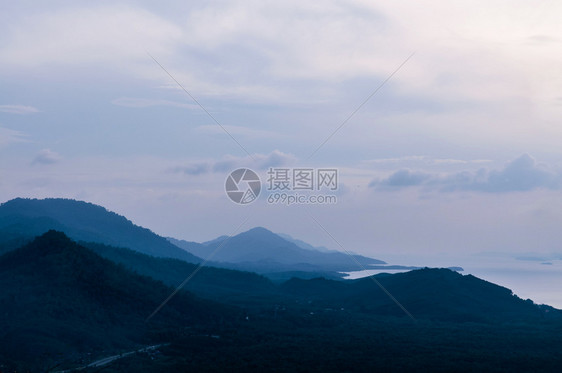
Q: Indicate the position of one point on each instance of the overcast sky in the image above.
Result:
(458, 152)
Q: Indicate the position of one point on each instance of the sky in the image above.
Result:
(442, 118)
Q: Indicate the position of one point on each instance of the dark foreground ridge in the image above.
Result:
(60, 300)
(66, 305)
(257, 250)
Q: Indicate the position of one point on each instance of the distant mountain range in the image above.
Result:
(263, 251)
(439, 294)
(22, 219)
(302, 244)
(63, 303)
(258, 249)
(224, 285)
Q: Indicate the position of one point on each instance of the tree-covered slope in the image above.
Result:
(429, 293)
(59, 299)
(26, 218)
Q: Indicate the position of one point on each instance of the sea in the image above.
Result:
(538, 280)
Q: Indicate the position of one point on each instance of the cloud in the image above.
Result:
(397, 159)
(9, 136)
(144, 102)
(424, 159)
(228, 163)
(293, 52)
(46, 157)
(403, 178)
(458, 161)
(519, 175)
(239, 131)
(99, 34)
(195, 168)
(539, 39)
(18, 109)
(274, 159)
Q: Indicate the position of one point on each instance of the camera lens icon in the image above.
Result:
(242, 186)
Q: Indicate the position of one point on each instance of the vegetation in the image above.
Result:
(59, 300)
(81, 221)
(347, 342)
(64, 305)
(224, 285)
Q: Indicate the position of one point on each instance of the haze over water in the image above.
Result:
(533, 280)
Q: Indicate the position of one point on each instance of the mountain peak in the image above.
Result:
(54, 234)
(264, 251)
(59, 298)
(37, 206)
(259, 230)
(53, 237)
(83, 221)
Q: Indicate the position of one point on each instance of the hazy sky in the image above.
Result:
(459, 152)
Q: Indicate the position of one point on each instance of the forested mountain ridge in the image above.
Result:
(261, 250)
(58, 298)
(22, 219)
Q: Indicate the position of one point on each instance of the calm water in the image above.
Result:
(529, 280)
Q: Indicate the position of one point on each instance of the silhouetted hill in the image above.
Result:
(463, 324)
(213, 283)
(59, 299)
(436, 294)
(22, 219)
(302, 244)
(263, 251)
(218, 239)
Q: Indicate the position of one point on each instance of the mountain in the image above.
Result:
(429, 293)
(59, 300)
(22, 219)
(218, 239)
(257, 250)
(224, 285)
(462, 324)
(302, 244)
(263, 251)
